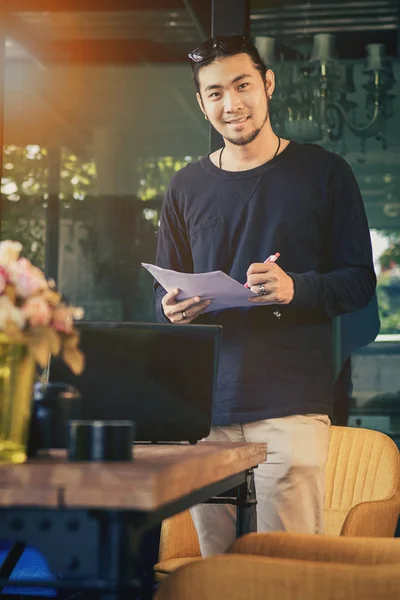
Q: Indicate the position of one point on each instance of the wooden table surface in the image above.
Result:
(158, 474)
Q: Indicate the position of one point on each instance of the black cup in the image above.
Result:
(54, 404)
(100, 440)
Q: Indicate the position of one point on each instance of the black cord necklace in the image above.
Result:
(277, 150)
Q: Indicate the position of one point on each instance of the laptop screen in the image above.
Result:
(161, 376)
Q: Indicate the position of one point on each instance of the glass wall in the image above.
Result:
(337, 68)
(99, 112)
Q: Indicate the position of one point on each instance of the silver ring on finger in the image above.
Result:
(261, 290)
(184, 315)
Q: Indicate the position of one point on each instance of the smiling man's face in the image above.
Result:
(233, 96)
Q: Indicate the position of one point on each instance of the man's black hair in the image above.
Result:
(248, 48)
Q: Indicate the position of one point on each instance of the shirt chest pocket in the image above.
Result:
(209, 245)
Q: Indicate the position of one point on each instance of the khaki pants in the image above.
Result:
(290, 485)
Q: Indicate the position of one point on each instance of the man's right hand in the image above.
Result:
(185, 311)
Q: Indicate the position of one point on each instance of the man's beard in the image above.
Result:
(250, 137)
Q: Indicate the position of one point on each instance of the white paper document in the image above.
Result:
(222, 290)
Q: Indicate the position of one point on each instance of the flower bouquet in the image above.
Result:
(34, 323)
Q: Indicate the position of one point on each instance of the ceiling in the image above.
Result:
(165, 30)
(113, 32)
(75, 68)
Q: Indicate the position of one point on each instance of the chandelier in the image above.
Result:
(312, 103)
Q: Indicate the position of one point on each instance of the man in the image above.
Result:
(257, 196)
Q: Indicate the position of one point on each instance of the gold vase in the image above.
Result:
(17, 376)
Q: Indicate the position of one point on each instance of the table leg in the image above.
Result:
(11, 560)
(114, 555)
(246, 520)
(149, 550)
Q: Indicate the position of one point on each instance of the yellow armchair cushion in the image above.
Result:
(163, 569)
(178, 538)
(362, 466)
(238, 577)
(320, 548)
(377, 518)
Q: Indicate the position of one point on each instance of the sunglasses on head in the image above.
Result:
(231, 43)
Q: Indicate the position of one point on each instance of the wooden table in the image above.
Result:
(89, 519)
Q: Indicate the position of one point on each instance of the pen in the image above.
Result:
(272, 258)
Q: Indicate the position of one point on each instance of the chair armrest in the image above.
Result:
(237, 577)
(377, 518)
(319, 548)
(179, 538)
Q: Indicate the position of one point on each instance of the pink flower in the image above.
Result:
(37, 311)
(62, 319)
(28, 280)
(9, 252)
(10, 313)
(3, 279)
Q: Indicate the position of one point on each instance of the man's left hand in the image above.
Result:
(279, 286)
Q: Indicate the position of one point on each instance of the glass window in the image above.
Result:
(337, 68)
(100, 111)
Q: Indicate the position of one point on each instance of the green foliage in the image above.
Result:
(156, 174)
(25, 171)
(25, 190)
(390, 318)
(78, 176)
(389, 310)
(391, 256)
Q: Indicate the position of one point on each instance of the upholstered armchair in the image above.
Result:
(238, 577)
(362, 497)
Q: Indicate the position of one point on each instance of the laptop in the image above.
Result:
(162, 376)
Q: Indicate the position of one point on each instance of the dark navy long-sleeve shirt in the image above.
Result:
(306, 205)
